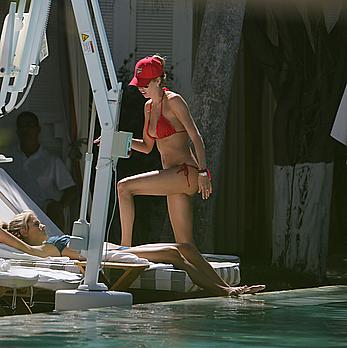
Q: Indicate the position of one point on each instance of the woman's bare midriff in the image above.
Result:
(175, 150)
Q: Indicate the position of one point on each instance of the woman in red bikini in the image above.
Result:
(169, 124)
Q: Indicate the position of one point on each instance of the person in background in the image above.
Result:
(26, 233)
(42, 175)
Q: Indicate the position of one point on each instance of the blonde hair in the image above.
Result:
(19, 222)
(162, 61)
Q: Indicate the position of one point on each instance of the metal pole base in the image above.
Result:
(69, 300)
(95, 287)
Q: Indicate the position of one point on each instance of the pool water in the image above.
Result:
(299, 318)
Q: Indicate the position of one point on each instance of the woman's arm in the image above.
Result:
(181, 111)
(145, 144)
(43, 250)
(180, 108)
(14, 242)
(72, 254)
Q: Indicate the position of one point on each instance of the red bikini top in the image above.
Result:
(164, 127)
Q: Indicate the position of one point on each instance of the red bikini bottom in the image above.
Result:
(184, 168)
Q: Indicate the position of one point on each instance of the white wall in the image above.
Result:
(156, 26)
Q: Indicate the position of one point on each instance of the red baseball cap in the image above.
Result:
(146, 69)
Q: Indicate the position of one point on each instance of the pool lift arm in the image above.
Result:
(88, 237)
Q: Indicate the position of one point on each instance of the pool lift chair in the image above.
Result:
(22, 47)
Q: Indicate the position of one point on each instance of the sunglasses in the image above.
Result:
(148, 84)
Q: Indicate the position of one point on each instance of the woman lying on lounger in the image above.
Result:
(26, 233)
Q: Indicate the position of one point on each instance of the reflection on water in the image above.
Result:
(318, 319)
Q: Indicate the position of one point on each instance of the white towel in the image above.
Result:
(5, 265)
(122, 256)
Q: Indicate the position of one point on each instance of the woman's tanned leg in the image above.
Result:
(191, 253)
(171, 254)
(187, 257)
(156, 183)
(181, 217)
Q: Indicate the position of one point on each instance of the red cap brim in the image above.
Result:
(139, 82)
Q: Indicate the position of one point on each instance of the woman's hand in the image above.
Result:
(205, 186)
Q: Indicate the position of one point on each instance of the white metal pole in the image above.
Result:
(87, 167)
(37, 21)
(107, 105)
(6, 56)
(19, 22)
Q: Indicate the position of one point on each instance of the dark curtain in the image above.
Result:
(286, 92)
(244, 205)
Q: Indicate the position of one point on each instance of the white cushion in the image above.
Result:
(15, 278)
(165, 277)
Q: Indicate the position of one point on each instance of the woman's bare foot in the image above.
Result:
(254, 288)
(237, 290)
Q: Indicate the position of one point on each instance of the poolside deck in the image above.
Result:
(275, 279)
(284, 279)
